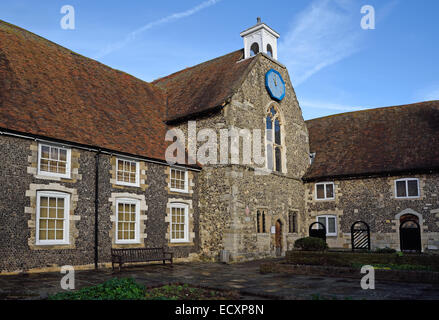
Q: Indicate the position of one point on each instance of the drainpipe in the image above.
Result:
(97, 208)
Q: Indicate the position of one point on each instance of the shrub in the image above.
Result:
(113, 289)
(385, 250)
(311, 244)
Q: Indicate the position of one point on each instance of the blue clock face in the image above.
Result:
(275, 84)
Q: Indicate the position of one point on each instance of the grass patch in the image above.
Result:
(129, 289)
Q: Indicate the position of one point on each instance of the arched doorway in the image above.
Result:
(410, 233)
(278, 238)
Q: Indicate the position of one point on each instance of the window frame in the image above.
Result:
(272, 142)
(128, 184)
(294, 215)
(186, 222)
(326, 216)
(406, 180)
(66, 175)
(137, 226)
(66, 223)
(324, 185)
(186, 181)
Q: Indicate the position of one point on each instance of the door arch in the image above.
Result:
(410, 233)
(278, 237)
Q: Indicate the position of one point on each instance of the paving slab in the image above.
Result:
(243, 277)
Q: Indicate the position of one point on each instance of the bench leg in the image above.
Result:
(164, 261)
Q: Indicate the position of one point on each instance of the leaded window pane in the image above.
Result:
(277, 137)
(329, 190)
(278, 160)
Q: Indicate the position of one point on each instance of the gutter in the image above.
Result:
(91, 148)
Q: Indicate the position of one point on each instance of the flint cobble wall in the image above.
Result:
(18, 180)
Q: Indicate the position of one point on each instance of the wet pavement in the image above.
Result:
(243, 277)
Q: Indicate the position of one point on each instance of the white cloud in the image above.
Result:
(315, 104)
(175, 16)
(326, 32)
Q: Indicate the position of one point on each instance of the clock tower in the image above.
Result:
(260, 38)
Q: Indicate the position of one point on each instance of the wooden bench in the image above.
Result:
(122, 256)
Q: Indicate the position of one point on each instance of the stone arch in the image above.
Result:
(283, 131)
(254, 49)
(397, 224)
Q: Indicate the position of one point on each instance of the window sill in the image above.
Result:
(121, 184)
(44, 176)
(179, 191)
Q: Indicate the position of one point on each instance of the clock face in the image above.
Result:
(275, 84)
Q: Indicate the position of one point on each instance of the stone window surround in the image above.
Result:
(189, 179)
(142, 167)
(53, 194)
(185, 207)
(68, 161)
(142, 219)
(129, 184)
(326, 216)
(406, 185)
(33, 161)
(334, 212)
(292, 211)
(191, 232)
(282, 122)
(136, 239)
(186, 180)
(421, 186)
(265, 216)
(325, 198)
(32, 223)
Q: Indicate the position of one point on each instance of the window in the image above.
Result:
(269, 51)
(254, 49)
(273, 141)
(127, 221)
(178, 180)
(179, 223)
(260, 221)
(54, 161)
(407, 188)
(292, 226)
(127, 173)
(330, 223)
(52, 218)
(325, 191)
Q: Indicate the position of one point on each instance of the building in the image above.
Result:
(83, 166)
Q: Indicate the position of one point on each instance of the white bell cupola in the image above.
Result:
(260, 38)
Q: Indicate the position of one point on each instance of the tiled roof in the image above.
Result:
(385, 140)
(49, 91)
(204, 87)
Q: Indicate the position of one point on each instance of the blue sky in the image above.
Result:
(334, 64)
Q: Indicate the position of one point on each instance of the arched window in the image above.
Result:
(270, 51)
(274, 140)
(254, 49)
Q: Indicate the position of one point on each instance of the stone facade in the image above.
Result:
(20, 182)
(373, 200)
(232, 193)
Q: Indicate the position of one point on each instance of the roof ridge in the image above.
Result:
(374, 109)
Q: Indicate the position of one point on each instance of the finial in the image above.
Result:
(258, 19)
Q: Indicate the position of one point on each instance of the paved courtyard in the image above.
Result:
(244, 277)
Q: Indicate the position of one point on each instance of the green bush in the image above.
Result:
(113, 289)
(385, 250)
(311, 244)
